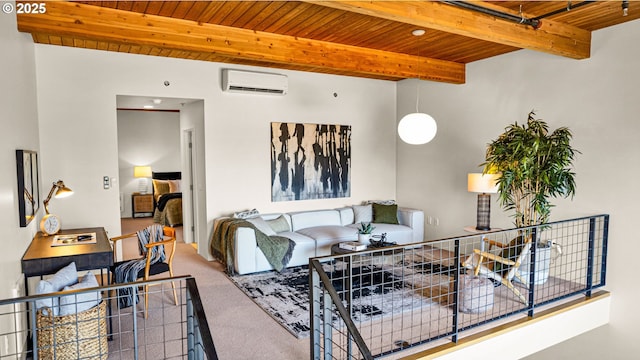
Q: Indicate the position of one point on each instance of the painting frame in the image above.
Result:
(28, 185)
(310, 161)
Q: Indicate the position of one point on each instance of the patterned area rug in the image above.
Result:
(285, 296)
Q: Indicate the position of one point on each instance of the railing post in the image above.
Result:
(327, 319)
(190, 329)
(592, 230)
(456, 286)
(314, 324)
(134, 291)
(605, 244)
(32, 319)
(532, 270)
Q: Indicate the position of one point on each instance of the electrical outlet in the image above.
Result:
(437, 221)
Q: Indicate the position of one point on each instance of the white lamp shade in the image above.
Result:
(417, 128)
(142, 171)
(482, 183)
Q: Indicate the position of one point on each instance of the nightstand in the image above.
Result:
(141, 204)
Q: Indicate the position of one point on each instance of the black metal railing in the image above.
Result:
(381, 301)
(163, 330)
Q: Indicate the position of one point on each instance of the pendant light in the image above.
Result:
(417, 128)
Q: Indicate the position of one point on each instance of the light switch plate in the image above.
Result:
(106, 182)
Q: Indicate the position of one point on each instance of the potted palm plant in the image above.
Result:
(535, 165)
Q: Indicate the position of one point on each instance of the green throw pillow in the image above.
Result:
(279, 224)
(385, 214)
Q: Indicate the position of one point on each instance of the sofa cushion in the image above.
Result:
(306, 219)
(334, 233)
(362, 213)
(386, 214)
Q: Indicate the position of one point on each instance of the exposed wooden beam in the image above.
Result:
(552, 37)
(112, 25)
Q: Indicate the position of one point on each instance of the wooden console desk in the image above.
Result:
(43, 259)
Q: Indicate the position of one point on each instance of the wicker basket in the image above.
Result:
(75, 336)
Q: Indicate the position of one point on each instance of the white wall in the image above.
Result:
(78, 87)
(19, 121)
(146, 138)
(192, 119)
(596, 98)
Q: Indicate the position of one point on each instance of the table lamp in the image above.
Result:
(142, 172)
(484, 185)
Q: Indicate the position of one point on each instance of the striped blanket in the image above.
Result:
(128, 271)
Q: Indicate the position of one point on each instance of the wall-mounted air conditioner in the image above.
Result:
(254, 82)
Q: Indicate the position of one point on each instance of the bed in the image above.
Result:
(167, 198)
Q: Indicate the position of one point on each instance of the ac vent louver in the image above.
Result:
(254, 82)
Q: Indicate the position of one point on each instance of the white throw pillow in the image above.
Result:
(362, 213)
(247, 214)
(262, 225)
(80, 302)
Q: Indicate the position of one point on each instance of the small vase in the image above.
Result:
(364, 238)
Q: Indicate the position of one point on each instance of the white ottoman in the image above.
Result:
(476, 294)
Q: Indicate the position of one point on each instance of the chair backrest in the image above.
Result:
(524, 252)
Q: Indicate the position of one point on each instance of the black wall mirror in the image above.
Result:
(28, 185)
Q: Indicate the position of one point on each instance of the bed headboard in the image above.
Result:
(175, 175)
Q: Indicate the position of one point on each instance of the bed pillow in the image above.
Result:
(174, 186)
(362, 213)
(262, 225)
(385, 214)
(160, 187)
(77, 303)
(279, 224)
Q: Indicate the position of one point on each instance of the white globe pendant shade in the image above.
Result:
(417, 128)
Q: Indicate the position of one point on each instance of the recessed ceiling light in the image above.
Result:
(157, 101)
(418, 32)
(148, 106)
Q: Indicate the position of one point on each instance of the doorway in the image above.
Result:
(162, 133)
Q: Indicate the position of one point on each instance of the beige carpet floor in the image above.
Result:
(240, 329)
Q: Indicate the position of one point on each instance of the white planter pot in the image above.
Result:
(543, 260)
(364, 238)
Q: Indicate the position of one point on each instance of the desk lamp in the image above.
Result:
(50, 224)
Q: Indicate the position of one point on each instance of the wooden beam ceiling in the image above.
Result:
(552, 37)
(120, 26)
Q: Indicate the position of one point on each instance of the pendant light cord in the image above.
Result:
(417, 94)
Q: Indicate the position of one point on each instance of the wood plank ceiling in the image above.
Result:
(357, 38)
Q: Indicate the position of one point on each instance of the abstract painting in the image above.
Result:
(310, 161)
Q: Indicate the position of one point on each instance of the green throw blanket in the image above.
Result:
(277, 249)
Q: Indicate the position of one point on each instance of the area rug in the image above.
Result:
(285, 296)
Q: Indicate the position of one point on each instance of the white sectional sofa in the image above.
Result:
(314, 232)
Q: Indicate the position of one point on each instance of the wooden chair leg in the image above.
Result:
(146, 301)
(173, 285)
